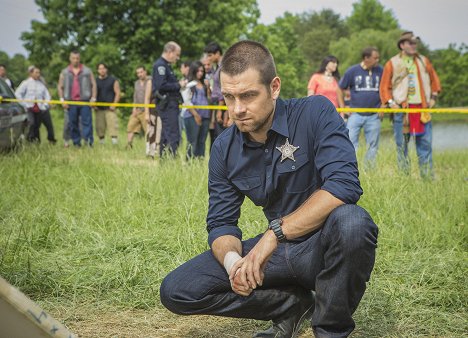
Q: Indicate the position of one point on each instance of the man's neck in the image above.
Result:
(403, 53)
(102, 77)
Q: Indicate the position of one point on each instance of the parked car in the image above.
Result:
(13, 119)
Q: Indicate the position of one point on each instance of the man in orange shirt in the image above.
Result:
(410, 81)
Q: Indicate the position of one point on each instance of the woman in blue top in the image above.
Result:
(197, 121)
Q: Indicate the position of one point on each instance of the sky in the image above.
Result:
(437, 22)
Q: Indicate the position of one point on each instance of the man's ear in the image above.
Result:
(275, 87)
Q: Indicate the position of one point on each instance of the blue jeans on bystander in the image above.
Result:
(423, 147)
(83, 114)
(196, 136)
(371, 126)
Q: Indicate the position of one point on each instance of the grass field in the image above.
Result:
(90, 233)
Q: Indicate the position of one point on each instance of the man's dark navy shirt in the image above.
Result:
(164, 79)
(239, 167)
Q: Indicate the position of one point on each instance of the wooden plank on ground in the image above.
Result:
(20, 317)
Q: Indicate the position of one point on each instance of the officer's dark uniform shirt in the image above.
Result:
(239, 167)
(164, 79)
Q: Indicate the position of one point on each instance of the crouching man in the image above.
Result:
(295, 160)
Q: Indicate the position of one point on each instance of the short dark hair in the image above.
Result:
(102, 63)
(140, 66)
(247, 54)
(367, 52)
(75, 51)
(2, 65)
(213, 48)
(186, 63)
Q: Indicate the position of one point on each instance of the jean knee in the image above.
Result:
(354, 226)
(168, 294)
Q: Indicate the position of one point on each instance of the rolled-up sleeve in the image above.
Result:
(335, 157)
(225, 200)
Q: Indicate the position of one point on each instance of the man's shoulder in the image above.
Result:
(160, 61)
(353, 68)
(222, 144)
(86, 69)
(307, 111)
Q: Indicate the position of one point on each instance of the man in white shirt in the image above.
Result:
(38, 112)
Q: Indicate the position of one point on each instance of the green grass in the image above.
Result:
(90, 233)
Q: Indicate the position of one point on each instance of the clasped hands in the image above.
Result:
(246, 273)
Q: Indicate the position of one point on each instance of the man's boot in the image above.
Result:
(290, 327)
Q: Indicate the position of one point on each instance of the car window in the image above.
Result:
(5, 90)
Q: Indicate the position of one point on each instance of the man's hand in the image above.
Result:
(247, 273)
(432, 103)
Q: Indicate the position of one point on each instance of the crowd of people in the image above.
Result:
(295, 158)
(408, 80)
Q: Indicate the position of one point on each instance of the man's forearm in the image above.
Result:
(310, 215)
(224, 244)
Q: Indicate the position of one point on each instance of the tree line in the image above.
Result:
(126, 34)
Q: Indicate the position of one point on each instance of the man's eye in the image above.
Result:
(248, 95)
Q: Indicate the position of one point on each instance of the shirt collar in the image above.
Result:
(280, 119)
(279, 124)
(70, 68)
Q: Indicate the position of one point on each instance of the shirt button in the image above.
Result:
(266, 150)
(293, 167)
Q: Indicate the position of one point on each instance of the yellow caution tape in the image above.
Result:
(215, 107)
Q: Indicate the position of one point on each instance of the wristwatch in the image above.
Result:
(390, 102)
(275, 226)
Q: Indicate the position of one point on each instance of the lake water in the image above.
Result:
(444, 136)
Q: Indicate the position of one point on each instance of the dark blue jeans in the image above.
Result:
(196, 136)
(170, 132)
(335, 261)
(83, 114)
(423, 147)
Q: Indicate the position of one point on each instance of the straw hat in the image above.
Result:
(407, 36)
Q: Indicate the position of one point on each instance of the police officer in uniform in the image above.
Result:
(166, 90)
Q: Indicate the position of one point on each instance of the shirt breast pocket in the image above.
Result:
(250, 187)
(296, 176)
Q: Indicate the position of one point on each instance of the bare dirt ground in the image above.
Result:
(91, 322)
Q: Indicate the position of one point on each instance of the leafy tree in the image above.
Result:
(283, 42)
(371, 14)
(451, 64)
(316, 30)
(348, 50)
(17, 66)
(124, 34)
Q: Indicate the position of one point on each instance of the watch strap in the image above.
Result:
(275, 226)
